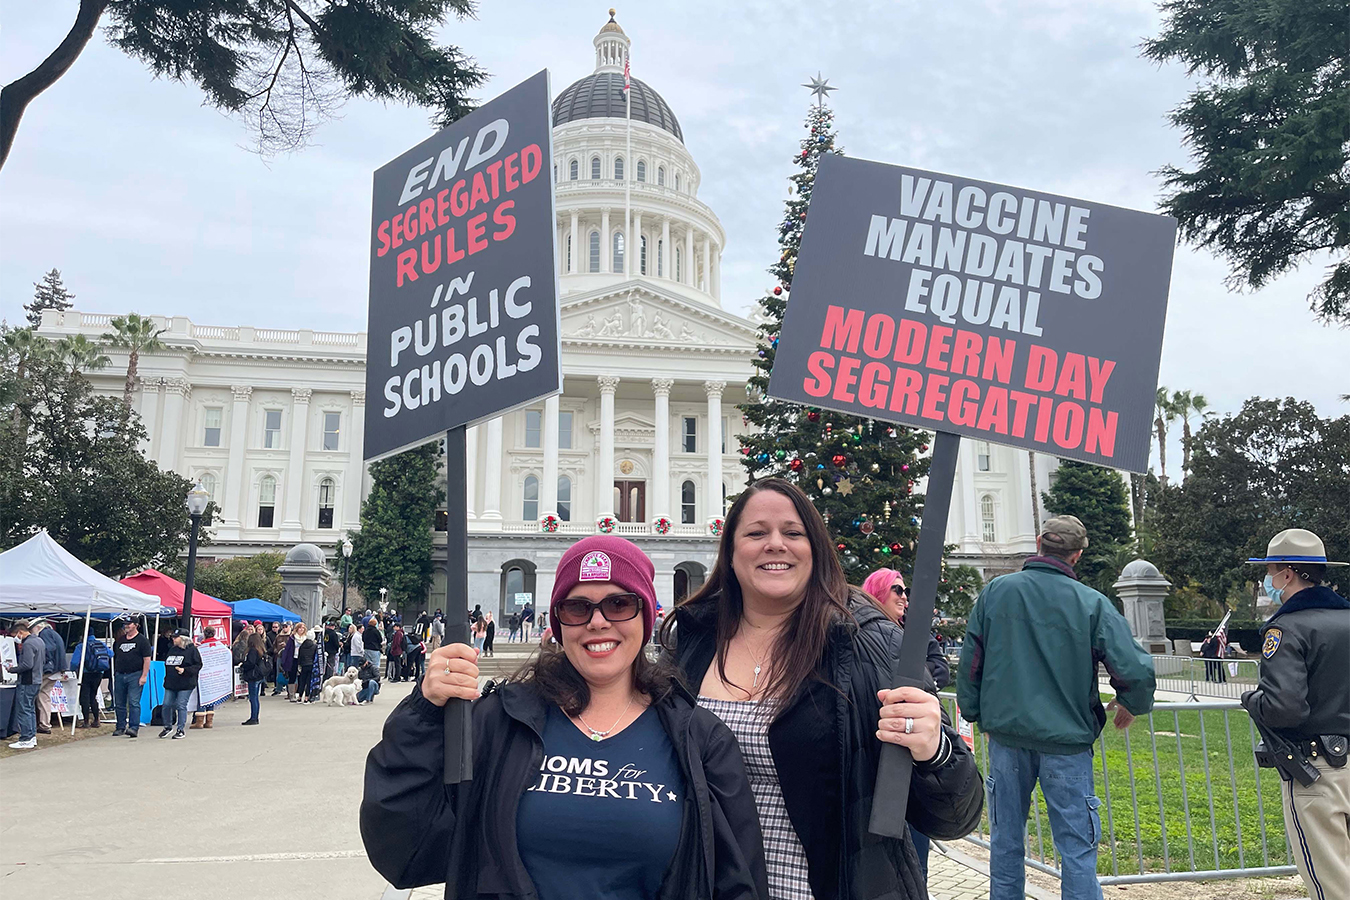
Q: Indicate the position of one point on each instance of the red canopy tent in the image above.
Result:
(170, 594)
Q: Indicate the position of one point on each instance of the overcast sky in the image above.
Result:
(149, 201)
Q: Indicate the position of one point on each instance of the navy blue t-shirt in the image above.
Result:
(603, 818)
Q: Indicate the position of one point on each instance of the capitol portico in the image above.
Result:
(646, 426)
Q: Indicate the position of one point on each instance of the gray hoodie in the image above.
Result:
(31, 655)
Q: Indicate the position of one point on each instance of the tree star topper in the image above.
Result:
(820, 87)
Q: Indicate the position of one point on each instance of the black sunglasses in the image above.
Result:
(898, 589)
(615, 608)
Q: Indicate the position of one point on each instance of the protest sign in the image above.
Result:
(1009, 315)
(464, 317)
(215, 678)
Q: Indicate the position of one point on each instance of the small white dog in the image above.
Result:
(340, 690)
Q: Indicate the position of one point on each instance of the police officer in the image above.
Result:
(1304, 697)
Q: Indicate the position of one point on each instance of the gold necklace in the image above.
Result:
(600, 735)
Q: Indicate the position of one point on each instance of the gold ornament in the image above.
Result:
(845, 487)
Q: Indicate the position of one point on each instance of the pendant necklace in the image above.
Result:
(759, 664)
(600, 735)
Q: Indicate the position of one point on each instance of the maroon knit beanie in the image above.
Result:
(604, 557)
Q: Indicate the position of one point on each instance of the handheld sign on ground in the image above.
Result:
(464, 316)
(976, 309)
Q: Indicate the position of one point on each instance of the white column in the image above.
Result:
(713, 492)
(177, 390)
(291, 524)
(471, 467)
(548, 487)
(717, 273)
(970, 505)
(665, 249)
(689, 255)
(627, 249)
(356, 466)
(604, 470)
(635, 250)
(232, 516)
(661, 457)
(605, 262)
(706, 286)
(150, 414)
(492, 472)
(576, 247)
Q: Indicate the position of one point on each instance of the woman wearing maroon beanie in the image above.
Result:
(596, 775)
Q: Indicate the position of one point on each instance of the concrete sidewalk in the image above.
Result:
(232, 812)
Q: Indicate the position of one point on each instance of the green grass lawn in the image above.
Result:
(1176, 772)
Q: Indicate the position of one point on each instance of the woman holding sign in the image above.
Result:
(773, 650)
(595, 773)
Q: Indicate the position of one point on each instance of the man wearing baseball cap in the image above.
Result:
(1028, 676)
(1304, 697)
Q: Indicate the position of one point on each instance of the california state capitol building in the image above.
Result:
(270, 420)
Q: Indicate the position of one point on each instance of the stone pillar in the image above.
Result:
(572, 267)
(471, 469)
(492, 473)
(604, 469)
(717, 274)
(713, 492)
(356, 466)
(548, 486)
(606, 261)
(707, 265)
(970, 505)
(291, 523)
(232, 516)
(150, 413)
(1142, 589)
(177, 391)
(661, 455)
(304, 576)
(689, 255)
(665, 249)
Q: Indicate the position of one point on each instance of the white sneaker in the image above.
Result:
(29, 744)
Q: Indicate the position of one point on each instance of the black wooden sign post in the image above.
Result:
(464, 316)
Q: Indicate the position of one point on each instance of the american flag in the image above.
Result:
(627, 82)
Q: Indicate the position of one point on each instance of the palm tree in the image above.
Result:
(136, 334)
(1165, 410)
(1193, 404)
(81, 353)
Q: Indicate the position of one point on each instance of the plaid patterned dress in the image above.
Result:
(783, 854)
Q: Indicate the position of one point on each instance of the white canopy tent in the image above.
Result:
(40, 576)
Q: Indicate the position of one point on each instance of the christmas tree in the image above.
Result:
(49, 293)
(860, 473)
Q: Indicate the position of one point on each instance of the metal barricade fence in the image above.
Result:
(1198, 677)
(1194, 807)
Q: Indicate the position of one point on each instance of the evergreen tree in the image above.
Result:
(393, 548)
(1098, 497)
(861, 474)
(49, 293)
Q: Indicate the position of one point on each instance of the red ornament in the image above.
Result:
(745, 451)
(895, 548)
(778, 291)
(796, 465)
(839, 546)
(923, 449)
(813, 416)
(839, 460)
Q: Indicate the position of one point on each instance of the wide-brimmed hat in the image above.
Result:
(1297, 545)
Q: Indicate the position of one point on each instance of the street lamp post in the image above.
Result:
(346, 557)
(197, 501)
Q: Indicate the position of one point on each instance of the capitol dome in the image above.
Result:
(600, 96)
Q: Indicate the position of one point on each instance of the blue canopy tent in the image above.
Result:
(262, 611)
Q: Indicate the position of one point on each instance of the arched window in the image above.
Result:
(569, 254)
(642, 254)
(573, 170)
(267, 501)
(595, 168)
(687, 503)
(555, 173)
(564, 498)
(677, 181)
(595, 252)
(661, 258)
(617, 252)
(530, 508)
(618, 168)
(642, 170)
(327, 492)
(661, 175)
(988, 534)
(515, 584)
(679, 263)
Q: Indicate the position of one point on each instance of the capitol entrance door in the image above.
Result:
(630, 501)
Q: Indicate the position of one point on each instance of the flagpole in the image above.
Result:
(627, 171)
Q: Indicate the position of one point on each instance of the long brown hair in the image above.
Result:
(801, 644)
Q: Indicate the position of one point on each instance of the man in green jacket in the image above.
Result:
(1028, 676)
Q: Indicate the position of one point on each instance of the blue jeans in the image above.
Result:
(25, 699)
(127, 701)
(254, 690)
(368, 692)
(921, 845)
(1066, 782)
(175, 709)
(372, 657)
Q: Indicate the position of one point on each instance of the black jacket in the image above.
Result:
(372, 639)
(305, 653)
(190, 658)
(1304, 690)
(825, 749)
(418, 831)
(254, 667)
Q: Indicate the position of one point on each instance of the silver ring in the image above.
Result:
(909, 725)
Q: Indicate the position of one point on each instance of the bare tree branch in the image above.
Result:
(15, 96)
